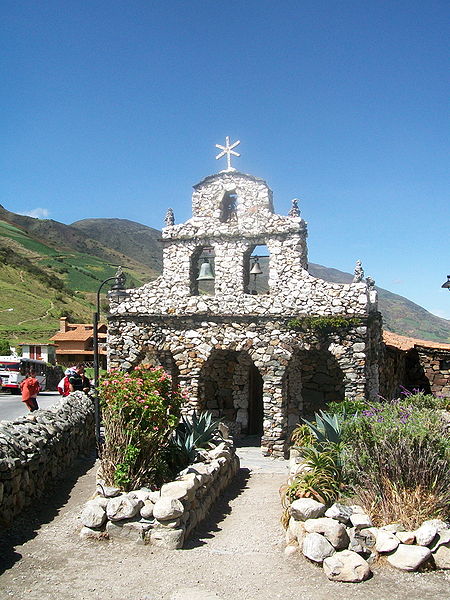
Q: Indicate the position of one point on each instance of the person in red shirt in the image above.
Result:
(30, 388)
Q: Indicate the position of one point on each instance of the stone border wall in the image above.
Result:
(166, 517)
(38, 447)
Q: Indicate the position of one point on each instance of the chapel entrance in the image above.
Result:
(313, 378)
(231, 387)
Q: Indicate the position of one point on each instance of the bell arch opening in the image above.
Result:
(256, 270)
(201, 271)
(231, 387)
(228, 207)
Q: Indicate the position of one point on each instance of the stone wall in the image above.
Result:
(36, 448)
(436, 367)
(165, 517)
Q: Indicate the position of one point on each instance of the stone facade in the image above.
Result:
(231, 348)
(36, 448)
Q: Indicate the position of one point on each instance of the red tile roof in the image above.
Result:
(406, 343)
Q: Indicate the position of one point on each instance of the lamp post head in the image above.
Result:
(118, 289)
(446, 284)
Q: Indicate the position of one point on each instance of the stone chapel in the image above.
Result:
(232, 346)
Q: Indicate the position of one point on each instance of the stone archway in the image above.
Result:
(231, 387)
(313, 378)
(155, 357)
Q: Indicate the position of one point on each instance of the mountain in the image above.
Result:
(50, 269)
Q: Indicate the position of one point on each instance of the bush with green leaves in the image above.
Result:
(140, 411)
(397, 461)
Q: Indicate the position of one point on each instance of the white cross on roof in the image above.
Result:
(228, 150)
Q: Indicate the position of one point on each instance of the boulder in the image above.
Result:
(334, 531)
(386, 541)
(346, 566)
(147, 510)
(123, 507)
(140, 494)
(339, 512)
(425, 534)
(316, 547)
(362, 540)
(93, 515)
(130, 531)
(306, 508)
(171, 539)
(291, 548)
(442, 537)
(166, 509)
(92, 534)
(179, 490)
(295, 531)
(406, 537)
(409, 558)
(360, 520)
(107, 491)
(442, 557)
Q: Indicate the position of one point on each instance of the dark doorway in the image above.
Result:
(255, 402)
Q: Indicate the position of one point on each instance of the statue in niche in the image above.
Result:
(359, 272)
(295, 211)
(169, 219)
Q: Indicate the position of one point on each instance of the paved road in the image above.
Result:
(12, 407)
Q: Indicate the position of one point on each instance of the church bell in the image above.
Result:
(205, 271)
(256, 269)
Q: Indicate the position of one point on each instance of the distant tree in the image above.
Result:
(5, 350)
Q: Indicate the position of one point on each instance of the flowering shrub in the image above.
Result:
(397, 459)
(140, 410)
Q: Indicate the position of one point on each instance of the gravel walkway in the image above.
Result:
(236, 555)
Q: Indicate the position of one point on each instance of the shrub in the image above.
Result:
(140, 411)
(397, 460)
(347, 407)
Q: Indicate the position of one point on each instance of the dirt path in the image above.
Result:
(236, 555)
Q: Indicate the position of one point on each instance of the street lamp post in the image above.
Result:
(118, 291)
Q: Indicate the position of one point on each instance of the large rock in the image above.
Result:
(295, 531)
(425, 534)
(409, 558)
(167, 538)
(147, 510)
(93, 515)
(130, 531)
(123, 507)
(406, 537)
(442, 557)
(386, 541)
(360, 520)
(306, 508)
(334, 531)
(363, 540)
(346, 566)
(316, 547)
(166, 509)
(339, 512)
(443, 537)
(180, 490)
(91, 534)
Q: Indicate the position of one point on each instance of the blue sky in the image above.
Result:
(113, 109)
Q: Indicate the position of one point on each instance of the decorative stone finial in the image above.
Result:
(370, 282)
(169, 219)
(295, 211)
(228, 151)
(359, 272)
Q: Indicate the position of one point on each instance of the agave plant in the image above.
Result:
(326, 428)
(195, 433)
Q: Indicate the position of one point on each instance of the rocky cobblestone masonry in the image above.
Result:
(169, 322)
(36, 448)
